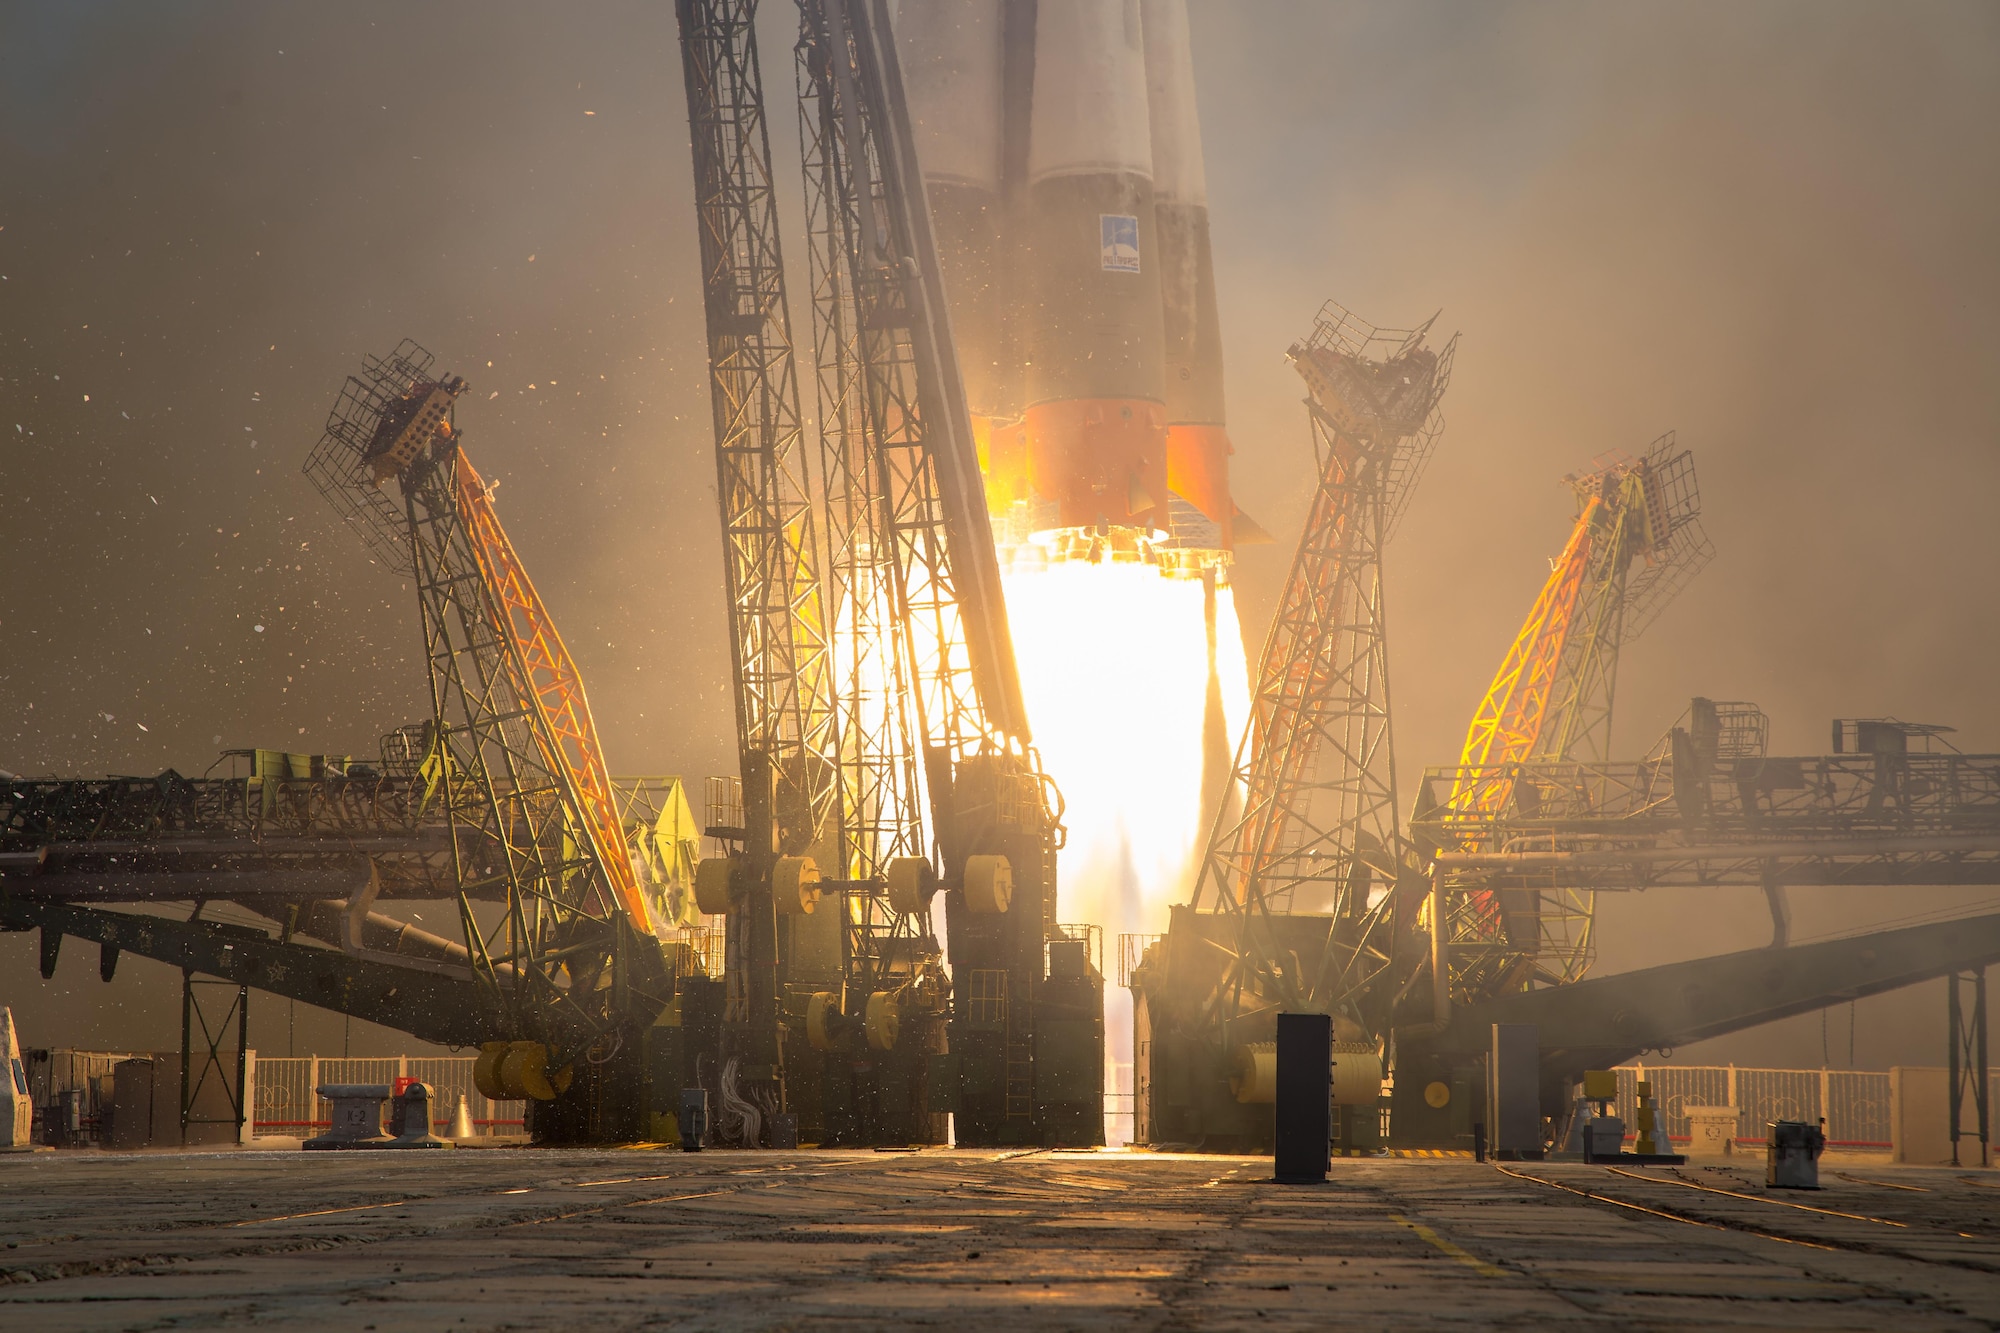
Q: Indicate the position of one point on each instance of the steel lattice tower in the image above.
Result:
(901, 453)
(1636, 541)
(1317, 830)
(881, 782)
(889, 954)
(786, 723)
(511, 756)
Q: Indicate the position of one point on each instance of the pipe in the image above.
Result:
(432, 839)
(328, 921)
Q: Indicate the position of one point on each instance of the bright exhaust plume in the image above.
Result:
(1114, 664)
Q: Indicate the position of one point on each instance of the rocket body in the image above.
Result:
(952, 69)
(1061, 154)
(1095, 402)
(1198, 447)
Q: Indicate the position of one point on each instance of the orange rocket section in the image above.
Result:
(1101, 461)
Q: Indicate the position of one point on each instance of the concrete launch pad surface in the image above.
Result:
(973, 1240)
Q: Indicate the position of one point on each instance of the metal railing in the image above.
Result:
(1132, 952)
(287, 1107)
(1854, 1102)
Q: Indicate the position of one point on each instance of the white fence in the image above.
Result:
(287, 1107)
(1854, 1102)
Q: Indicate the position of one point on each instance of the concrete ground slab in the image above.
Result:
(612, 1239)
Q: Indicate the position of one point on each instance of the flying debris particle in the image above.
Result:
(141, 725)
(126, 415)
(86, 398)
(258, 628)
(154, 498)
(491, 396)
(531, 259)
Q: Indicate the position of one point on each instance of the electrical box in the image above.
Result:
(1305, 1098)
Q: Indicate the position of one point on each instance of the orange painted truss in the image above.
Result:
(1510, 718)
(553, 688)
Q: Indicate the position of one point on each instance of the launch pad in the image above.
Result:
(875, 946)
(621, 1239)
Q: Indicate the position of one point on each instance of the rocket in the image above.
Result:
(1061, 154)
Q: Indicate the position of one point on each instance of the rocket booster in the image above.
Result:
(1061, 153)
(1095, 412)
(1198, 447)
(952, 66)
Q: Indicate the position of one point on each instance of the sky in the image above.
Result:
(1765, 226)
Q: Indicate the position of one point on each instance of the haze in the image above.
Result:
(1768, 227)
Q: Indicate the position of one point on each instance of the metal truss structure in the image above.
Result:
(937, 719)
(515, 756)
(878, 257)
(259, 839)
(1307, 888)
(1708, 807)
(788, 731)
(778, 623)
(890, 959)
(311, 844)
(297, 828)
(1317, 830)
(499, 804)
(1636, 542)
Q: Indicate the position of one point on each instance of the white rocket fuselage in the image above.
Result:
(951, 60)
(1094, 409)
(1198, 447)
(1062, 156)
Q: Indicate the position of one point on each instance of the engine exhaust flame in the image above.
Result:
(1117, 674)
